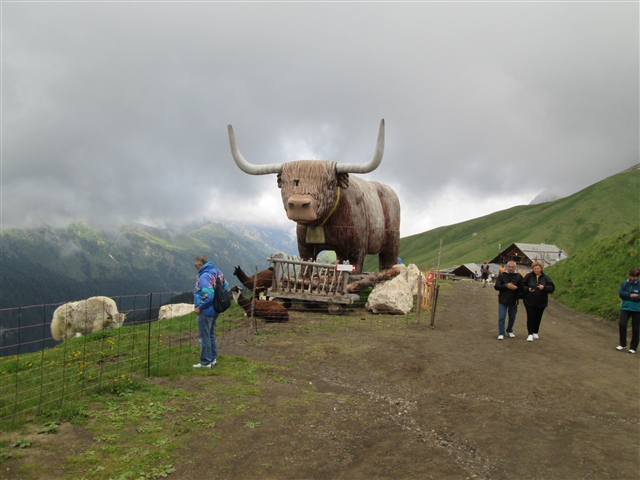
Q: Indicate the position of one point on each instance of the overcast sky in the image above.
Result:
(118, 111)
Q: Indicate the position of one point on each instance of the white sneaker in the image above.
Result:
(199, 365)
(620, 348)
(512, 335)
(632, 351)
(530, 338)
(535, 336)
(500, 337)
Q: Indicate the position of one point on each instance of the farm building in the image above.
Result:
(524, 254)
(471, 270)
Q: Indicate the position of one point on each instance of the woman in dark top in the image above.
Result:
(630, 309)
(536, 287)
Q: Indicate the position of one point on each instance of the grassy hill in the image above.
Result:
(588, 281)
(611, 206)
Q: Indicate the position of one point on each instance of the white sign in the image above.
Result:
(345, 268)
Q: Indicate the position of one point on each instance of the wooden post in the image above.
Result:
(435, 296)
(419, 296)
(254, 326)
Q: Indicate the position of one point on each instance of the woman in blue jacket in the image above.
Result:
(630, 308)
(203, 294)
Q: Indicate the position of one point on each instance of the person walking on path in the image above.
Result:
(203, 294)
(630, 309)
(484, 271)
(536, 286)
(508, 285)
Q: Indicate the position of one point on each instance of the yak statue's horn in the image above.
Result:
(246, 166)
(372, 164)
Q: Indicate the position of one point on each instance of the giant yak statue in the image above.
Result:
(335, 211)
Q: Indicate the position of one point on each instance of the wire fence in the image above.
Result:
(39, 373)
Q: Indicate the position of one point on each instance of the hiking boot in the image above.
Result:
(620, 348)
(500, 337)
(530, 338)
(512, 335)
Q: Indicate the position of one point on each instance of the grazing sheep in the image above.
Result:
(174, 310)
(265, 279)
(85, 316)
(268, 311)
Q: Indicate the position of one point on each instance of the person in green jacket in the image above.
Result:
(630, 308)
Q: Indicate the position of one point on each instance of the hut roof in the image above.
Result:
(527, 253)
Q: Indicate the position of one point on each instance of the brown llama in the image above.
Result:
(268, 311)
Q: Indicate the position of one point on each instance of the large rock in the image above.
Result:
(174, 310)
(412, 274)
(393, 296)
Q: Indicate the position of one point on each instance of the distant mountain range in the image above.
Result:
(53, 265)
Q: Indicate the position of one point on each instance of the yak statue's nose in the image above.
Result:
(302, 208)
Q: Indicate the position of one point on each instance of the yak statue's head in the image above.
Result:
(310, 188)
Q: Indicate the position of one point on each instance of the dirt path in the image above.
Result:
(453, 402)
(388, 398)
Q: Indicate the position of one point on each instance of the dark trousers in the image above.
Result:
(534, 317)
(635, 328)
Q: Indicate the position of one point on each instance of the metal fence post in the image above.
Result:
(149, 336)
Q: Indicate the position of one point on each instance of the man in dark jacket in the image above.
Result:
(508, 284)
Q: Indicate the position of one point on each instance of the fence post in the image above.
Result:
(437, 289)
(419, 296)
(149, 336)
(44, 333)
(15, 401)
(254, 326)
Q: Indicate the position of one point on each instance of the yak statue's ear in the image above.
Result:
(279, 180)
(343, 180)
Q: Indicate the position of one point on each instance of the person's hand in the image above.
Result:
(541, 287)
(197, 310)
(633, 295)
(531, 289)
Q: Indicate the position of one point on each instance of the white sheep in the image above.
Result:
(85, 316)
(174, 310)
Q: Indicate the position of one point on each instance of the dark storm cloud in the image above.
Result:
(118, 111)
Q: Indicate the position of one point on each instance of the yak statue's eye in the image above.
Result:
(296, 183)
(332, 185)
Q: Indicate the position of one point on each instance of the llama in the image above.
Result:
(268, 311)
(265, 279)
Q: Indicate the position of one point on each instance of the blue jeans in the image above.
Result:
(207, 337)
(502, 314)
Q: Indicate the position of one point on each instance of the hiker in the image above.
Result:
(536, 287)
(508, 285)
(630, 308)
(203, 294)
(484, 271)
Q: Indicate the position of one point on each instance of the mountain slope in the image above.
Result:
(589, 280)
(47, 265)
(608, 207)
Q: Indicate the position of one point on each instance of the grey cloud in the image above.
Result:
(119, 110)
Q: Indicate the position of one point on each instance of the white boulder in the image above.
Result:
(393, 296)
